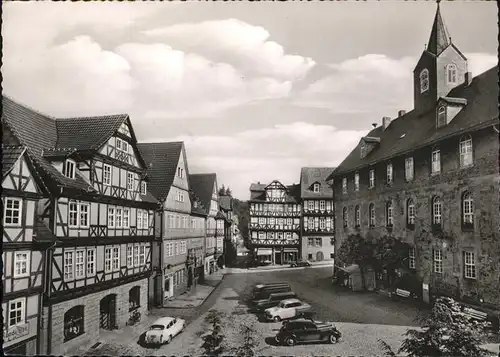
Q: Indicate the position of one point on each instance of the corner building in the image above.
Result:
(430, 178)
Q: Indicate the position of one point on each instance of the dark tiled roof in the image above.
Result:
(43, 233)
(226, 202)
(311, 175)
(203, 186)
(161, 161)
(196, 205)
(10, 155)
(258, 193)
(439, 38)
(419, 128)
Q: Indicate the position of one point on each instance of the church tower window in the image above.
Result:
(424, 80)
(451, 74)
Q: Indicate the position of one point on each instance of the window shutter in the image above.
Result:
(462, 266)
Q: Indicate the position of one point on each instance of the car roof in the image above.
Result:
(163, 321)
(287, 301)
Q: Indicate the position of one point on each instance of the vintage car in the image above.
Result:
(273, 300)
(306, 330)
(164, 330)
(286, 309)
(300, 263)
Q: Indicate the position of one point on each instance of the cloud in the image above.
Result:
(480, 62)
(276, 152)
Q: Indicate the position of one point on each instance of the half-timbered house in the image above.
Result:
(101, 215)
(226, 208)
(274, 227)
(23, 253)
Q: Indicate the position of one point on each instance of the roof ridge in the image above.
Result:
(46, 116)
(91, 116)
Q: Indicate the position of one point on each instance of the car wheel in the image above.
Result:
(332, 339)
(277, 318)
(169, 339)
(290, 341)
(277, 340)
(161, 340)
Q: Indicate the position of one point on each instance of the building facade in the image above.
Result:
(274, 227)
(23, 253)
(318, 218)
(101, 216)
(430, 178)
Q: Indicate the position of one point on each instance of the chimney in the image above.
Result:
(385, 122)
(401, 113)
(468, 78)
(374, 125)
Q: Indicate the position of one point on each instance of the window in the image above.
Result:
(143, 188)
(322, 205)
(106, 175)
(436, 161)
(142, 254)
(441, 116)
(357, 216)
(124, 129)
(372, 214)
(80, 264)
(116, 258)
(84, 214)
(69, 169)
(118, 217)
(21, 264)
(121, 145)
(344, 216)
(90, 262)
(12, 211)
(389, 173)
(410, 212)
(437, 261)
(316, 187)
(411, 258)
(318, 242)
(436, 211)
(466, 151)
(451, 74)
(126, 218)
(322, 223)
(467, 209)
(424, 80)
(310, 205)
(73, 214)
(68, 265)
(409, 168)
(130, 181)
(16, 312)
(73, 322)
(470, 265)
(344, 185)
(139, 219)
(180, 172)
(356, 181)
(78, 214)
(145, 219)
(134, 297)
(136, 255)
(107, 260)
(389, 214)
(111, 218)
(169, 249)
(371, 177)
(130, 256)
(288, 235)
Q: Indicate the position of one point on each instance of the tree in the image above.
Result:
(231, 253)
(357, 250)
(229, 192)
(445, 332)
(248, 344)
(212, 342)
(222, 191)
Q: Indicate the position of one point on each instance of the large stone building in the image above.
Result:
(430, 178)
(101, 216)
(318, 219)
(274, 227)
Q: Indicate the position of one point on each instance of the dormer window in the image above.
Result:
(441, 116)
(143, 188)
(356, 181)
(451, 74)
(316, 187)
(69, 169)
(389, 174)
(344, 185)
(180, 172)
(424, 80)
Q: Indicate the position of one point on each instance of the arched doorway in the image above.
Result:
(107, 309)
(319, 256)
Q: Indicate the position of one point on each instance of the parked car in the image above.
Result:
(262, 291)
(300, 263)
(304, 330)
(273, 300)
(164, 330)
(286, 309)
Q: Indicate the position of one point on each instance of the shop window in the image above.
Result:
(74, 323)
(134, 297)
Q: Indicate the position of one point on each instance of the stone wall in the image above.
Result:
(326, 248)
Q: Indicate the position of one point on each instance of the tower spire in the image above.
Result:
(439, 39)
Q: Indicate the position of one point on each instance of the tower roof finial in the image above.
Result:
(439, 38)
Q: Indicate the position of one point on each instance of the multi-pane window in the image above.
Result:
(371, 179)
(78, 214)
(107, 260)
(357, 216)
(356, 181)
(470, 265)
(169, 251)
(20, 264)
(436, 161)
(126, 218)
(344, 216)
(436, 210)
(90, 262)
(316, 187)
(310, 205)
(118, 217)
(318, 242)
(411, 258)
(310, 223)
(68, 265)
(142, 254)
(322, 223)
(389, 214)
(73, 214)
(106, 175)
(16, 312)
(344, 185)
(139, 219)
(389, 173)
(121, 145)
(84, 214)
(437, 261)
(116, 258)
(111, 218)
(441, 116)
(410, 210)
(466, 151)
(468, 209)
(130, 256)
(322, 205)
(409, 168)
(451, 73)
(130, 181)
(143, 188)
(424, 80)
(372, 214)
(12, 211)
(145, 219)
(69, 169)
(136, 255)
(80, 264)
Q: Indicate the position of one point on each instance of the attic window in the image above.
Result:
(121, 145)
(441, 116)
(69, 169)
(316, 187)
(143, 188)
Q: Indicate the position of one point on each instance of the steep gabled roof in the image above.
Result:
(203, 186)
(439, 38)
(196, 205)
(419, 128)
(258, 193)
(311, 175)
(161, 160)
(10, 155)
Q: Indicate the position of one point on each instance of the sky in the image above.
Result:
(255, 90)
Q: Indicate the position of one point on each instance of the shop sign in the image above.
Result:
(15, 332)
